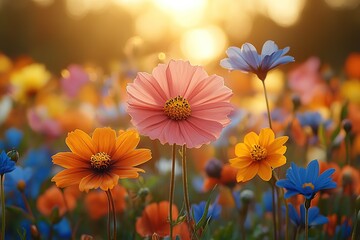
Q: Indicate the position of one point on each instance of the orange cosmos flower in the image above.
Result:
(96, 202)
(101, 160)
(259, 154)
(154, 221)
(53, 198)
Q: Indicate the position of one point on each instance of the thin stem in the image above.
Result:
(274, 211)
(353, 235)
(185, 186)
(306, 223)
(2, 207)
(267, 104)
(114, 214)
(109, 216)
(296, 237)
(347, 148)
(172, 187)
(307, 206)
(286, 207)
(27, 205)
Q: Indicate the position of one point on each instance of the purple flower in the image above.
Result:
(248, 60)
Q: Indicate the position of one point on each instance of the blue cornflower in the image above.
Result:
(248, 60)
(307, 181)
(12, 139)
(17, 180)
(6, 164)
(198, 210)
(315, 218)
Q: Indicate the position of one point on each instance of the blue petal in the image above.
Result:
(312, 171)
(293, 214)
(319, 220)
(282, 60)
(228, 64)
(268, 48)
(237, 59)
(290, 193)
(250, 56)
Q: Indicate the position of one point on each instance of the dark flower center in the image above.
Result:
(258, 153)
(177, 108)
(100, 161)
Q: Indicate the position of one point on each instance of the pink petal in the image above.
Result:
(213, 111)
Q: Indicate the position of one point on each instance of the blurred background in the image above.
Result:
(62, 32)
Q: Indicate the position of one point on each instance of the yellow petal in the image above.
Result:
(277, 144)
(241, 149)
(265, 171)
(266, 137)
(276, 160)
(251, 139)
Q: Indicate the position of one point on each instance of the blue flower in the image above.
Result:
(39, 160)
(13, 180)
(6, 164)
(315, 218)
(307, 181)
(12, 139)
(248, 60)
(198, 210)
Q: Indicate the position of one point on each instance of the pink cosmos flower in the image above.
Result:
(179, 104)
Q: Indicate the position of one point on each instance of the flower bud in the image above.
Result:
(213, 168)
(296, 101)
(347, 125)
(143, 192)
(21, 186)
(13, 155)
(246, 196)
(86, 237)
(34, 232)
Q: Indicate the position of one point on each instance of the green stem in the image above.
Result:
(347, 148)
(109, 216)
(2, 207)
(113, 213)
(274, 211)
(267, 104)
(185, 186)
(307, 206)
(286, 207)
(306, 223)
(353, 235)
(172, 187)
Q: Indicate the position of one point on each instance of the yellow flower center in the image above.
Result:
(308, 185)
(258, 153)
(100, 161)
(177, 108)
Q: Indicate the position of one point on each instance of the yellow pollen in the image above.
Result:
(308, 185)
(100, 161)
(258, 153)
(177, 108)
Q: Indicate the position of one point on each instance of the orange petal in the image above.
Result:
(80, 143)
(277, 144)
(126, 142)
(126, 172)
(70, 160)
(70, 177)
(251, 139)
(240, 162)
(266, 137)
(241, 149)
(104, 140)
(276, 160)
(251, 171)
(133, 158)
(109, 181)
(265, 171)
(91, 181)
